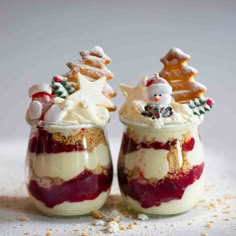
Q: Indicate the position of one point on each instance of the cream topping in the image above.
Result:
(83, 98)
(136, 99)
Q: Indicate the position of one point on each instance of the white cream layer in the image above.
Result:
(72, 208)
(144, 134)
(191, 196)
(154, 164)
(67, 165)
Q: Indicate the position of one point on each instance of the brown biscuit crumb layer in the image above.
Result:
(88, 138)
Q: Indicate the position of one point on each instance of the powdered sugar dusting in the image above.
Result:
(178, 53)
(91, 71)
(190, 69)
(96, 51)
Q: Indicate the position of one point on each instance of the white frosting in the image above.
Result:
(55, 114)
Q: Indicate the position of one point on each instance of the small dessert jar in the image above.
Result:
(161, 171)
(68, 168)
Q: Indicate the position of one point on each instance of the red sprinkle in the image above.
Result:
(57, 79)
(209, 102)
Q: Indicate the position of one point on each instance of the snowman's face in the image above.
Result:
(159, 95)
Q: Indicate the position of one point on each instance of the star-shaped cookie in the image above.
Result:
(91, 92)
(132, 94)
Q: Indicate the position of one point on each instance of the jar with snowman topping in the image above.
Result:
(68, 167)
(161, 159)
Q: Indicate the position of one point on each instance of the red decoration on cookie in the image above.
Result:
(209, 102)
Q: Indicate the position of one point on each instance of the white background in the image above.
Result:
(37, 38)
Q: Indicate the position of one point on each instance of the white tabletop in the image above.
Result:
(214, 215)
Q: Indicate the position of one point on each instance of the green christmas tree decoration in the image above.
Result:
(201, 105)
(61, 87)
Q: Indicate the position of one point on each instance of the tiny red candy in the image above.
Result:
(209, 102)
(57, 79)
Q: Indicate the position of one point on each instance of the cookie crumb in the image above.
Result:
(97, 214)
(212, 205)
(209, 225)
(116, 219)
(228, 196)
(84, 234)
(130, 226)
(227, 212)
(204, 234)
(24, 219)
(136, 223)
(122, 227)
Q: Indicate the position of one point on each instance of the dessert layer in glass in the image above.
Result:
(68, 166)
(157, 167)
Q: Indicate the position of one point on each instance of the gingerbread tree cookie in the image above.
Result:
(92, 66)
(181, 76)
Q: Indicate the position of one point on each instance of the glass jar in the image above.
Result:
(68, 168)
(160, 171)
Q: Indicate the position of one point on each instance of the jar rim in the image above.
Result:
(62, 125)
(174, 125)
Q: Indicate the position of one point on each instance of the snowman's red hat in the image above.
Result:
(159, 82)
(40, 88)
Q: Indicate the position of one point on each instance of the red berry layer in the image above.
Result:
(85, 186)
(153, 194)
(129, 145)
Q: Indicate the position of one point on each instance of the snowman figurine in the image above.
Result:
(159, 96)
(41, 95)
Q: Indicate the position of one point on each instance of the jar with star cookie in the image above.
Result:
(69, 167)
(161, 160)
